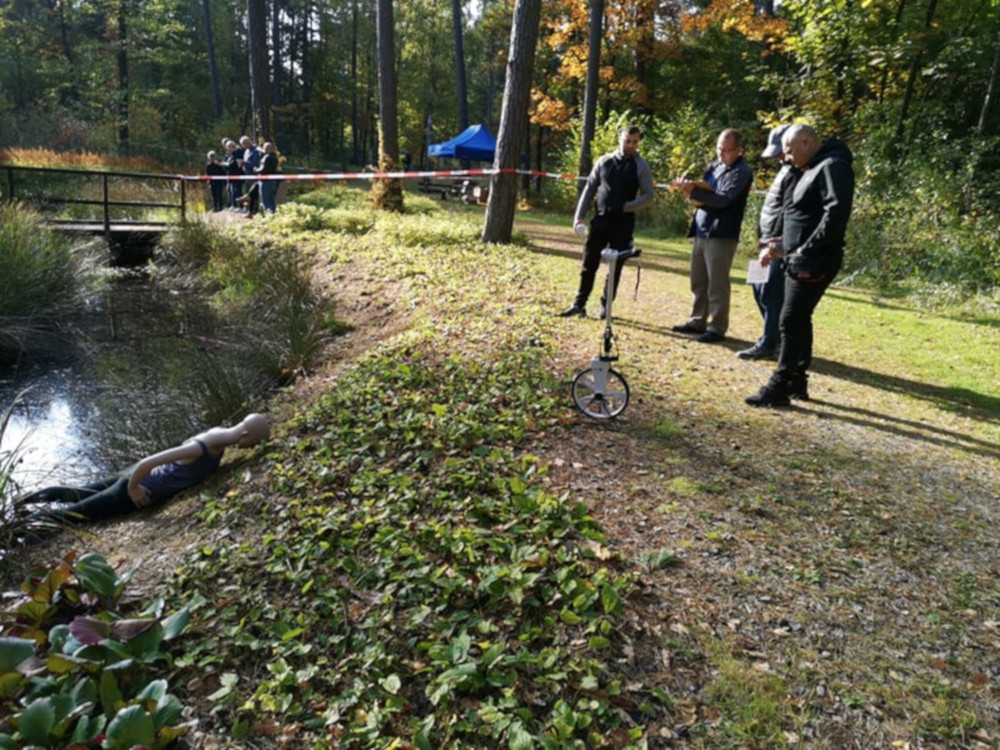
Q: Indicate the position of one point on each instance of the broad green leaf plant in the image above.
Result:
(74, 673)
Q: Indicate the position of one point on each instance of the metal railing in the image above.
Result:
(19, 177)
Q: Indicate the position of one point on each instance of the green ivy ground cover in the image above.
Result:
(413, 581)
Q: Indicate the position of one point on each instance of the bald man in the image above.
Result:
(816, 210)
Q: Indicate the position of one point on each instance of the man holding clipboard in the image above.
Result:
(715, 233)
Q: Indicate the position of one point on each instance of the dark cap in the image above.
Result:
(773, 148)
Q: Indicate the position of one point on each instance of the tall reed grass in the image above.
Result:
(44, 157)
(36, 265)
(264, 289)
(42, 277)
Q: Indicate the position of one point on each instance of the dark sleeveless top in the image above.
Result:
(166, 480)
(618, 186)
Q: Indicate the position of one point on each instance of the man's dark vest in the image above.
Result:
(619, 184)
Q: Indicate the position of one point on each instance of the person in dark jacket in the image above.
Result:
(770, 295)
(619, 184)
(215, 168)
(153, 480)
(234, 167)
(721, 199)
(268, 188)
(251, 160)
(817, 209)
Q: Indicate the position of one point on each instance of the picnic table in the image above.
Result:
(468, 191)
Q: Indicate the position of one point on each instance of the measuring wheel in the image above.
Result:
(597, 399)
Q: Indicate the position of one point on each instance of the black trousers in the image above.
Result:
(801, 298)
(106, 498)
(608, 230)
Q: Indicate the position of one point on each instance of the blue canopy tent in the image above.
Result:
(474, 143)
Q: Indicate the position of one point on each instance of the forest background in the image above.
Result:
(909, 84)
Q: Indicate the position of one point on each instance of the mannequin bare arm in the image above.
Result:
(187, 451)
(250, 431)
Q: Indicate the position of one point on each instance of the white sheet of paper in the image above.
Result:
(756, 273)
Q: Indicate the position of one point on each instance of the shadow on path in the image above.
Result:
(905, 428)
(980, 407)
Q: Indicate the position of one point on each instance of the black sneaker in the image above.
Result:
(756, 352)
(686, 328)
(711, 337)
(572, 312)
(797, 387)
(771, 394)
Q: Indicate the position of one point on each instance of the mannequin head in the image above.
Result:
(253, 429)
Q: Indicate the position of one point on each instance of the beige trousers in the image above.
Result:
(711, 262)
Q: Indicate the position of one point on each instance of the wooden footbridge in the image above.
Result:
(130, 210)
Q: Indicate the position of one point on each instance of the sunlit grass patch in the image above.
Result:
(664, 428)
(303, 217)
(753, 705)
(427, 231)
(683, 486)
(337, 196)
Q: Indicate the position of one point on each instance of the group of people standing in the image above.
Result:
(802, 229)
(241, 160)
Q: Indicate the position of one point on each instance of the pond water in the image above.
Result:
(48, 429)
(123, 378)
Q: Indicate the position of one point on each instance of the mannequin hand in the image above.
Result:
(140, 496)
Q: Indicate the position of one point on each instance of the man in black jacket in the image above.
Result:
(817, 208)
(619, 184)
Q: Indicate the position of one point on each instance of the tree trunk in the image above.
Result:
(303, 125)
(64, 33)
(900, 8)
(277, 68)
(460, 85)
(984, 113)
(911, 81)
(260, 106)
(645, 52)
(388, 193)
(590, 92)
(499, 222)
(123, 86)
(213, 66)
(355, 115)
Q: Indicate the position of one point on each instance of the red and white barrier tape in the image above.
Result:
(397, 175)
(350, 175)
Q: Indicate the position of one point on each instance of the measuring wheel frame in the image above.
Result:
(600, 391)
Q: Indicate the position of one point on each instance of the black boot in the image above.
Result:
(775, 393)
(797, 386)
(575, 311)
